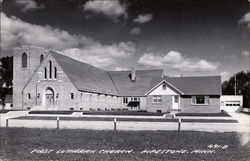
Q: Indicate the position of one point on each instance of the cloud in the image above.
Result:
(28, 5)
(101, 55)
(175, 60)
(110, 8)
(245, 20)
(15, 32)
(245, 53)
(135, 31)
(143, 18)
(121, 69)
(224, 74)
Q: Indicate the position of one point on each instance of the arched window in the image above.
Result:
(24, 60)
(50, 69)
(55, 72)
(45, 72)
(41, 58)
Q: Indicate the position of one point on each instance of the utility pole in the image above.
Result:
(235, 84)
(248, 96)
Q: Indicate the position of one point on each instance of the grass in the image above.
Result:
(136, 113)
(17, 144)
(6, 111)
(125, 119)
(52, 112)
(221, 114)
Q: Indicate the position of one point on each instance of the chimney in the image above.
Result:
(133, 75)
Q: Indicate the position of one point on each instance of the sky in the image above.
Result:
(184, 37)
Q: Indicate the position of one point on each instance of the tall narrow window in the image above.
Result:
(71, 96)
(50, 69)
(55, 72)
(45, 72)
(41, 58)
(24, 60)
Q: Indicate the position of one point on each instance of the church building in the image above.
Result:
(46, 80)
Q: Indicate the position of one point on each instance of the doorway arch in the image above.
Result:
(49, 97)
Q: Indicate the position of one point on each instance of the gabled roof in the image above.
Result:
(202, 85)
(124, 85)
(84, 76)
(161, 80)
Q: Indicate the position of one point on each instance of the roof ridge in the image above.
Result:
(195, 76)
(135, 69)
(55, 52)
(113, 83)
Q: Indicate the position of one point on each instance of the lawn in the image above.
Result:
(221, 114)
(136, 113)
(27, 144)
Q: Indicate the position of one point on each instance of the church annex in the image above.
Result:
(46, 80)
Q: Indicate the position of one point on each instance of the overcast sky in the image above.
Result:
(189, 37)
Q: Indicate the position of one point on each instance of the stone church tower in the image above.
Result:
(25, 62)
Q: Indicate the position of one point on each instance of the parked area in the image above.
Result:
(27, 144)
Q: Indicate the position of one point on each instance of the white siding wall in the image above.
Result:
(159, 91)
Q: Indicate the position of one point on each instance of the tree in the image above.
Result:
(242, 86)
(6, 77)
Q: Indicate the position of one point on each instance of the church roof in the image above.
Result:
(91, 79)
(84, 76)
(126, 87)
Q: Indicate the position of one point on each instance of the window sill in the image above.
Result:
(200, 104)
(154, 103)
(48, 79)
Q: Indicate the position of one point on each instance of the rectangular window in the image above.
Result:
(71, 96)
(125, 100)
(200, 100)
(157, 99)
(164, 86)
(28, 96)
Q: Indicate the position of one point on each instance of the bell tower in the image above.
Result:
(25, 62)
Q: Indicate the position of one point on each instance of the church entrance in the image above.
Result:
(49, 97)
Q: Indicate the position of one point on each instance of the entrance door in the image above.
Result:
(175, 102)
(49, 97)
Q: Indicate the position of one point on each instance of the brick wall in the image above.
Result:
(187, 107)
(143, 101)
(165, 106)
(20, 75)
